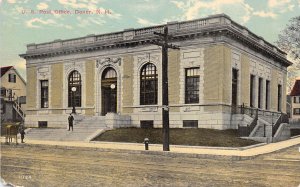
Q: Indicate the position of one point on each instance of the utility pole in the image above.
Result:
(163, 42)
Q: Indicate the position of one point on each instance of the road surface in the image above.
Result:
(60, 166)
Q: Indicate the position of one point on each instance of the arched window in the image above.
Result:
(109, 73)
(148, 85)
(74, 80)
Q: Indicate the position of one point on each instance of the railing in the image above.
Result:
(148, 31)
(255, 113)
(19, 110)
(242, 109)
(254, 122)
(282, 119)
(11, 97)
(108, 37)
(73, 42)
(177, 27)
(246, 130)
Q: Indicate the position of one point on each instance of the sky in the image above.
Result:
(32, 21)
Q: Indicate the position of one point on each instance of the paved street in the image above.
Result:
(43, 165)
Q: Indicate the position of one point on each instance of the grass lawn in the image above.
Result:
(196, 137)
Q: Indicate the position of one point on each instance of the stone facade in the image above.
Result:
(223, 46)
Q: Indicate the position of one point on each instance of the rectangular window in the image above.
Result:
(252, 90)
(279, 97)
(12, 78)
(190, 123)
(44, 94)
(234, 90)
(296, 111)
(260, 89)
(192, 77)
(42, 124)
(3, 92)
(296, 99)
(267, 94)
(147, 124)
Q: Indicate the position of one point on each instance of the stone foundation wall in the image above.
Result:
(212, 120)
(59, 121)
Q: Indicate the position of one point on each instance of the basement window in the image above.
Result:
(42, 124)
(190, 123)
(147, 124)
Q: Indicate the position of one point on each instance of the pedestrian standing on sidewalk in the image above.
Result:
(70, 119)
(22, 132)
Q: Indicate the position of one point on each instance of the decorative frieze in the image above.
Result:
(107, 61)
(72, 66)
(190, 54)
(191, 108)
(43, 72)
(149, 109)
(147, 58)
(236, 60)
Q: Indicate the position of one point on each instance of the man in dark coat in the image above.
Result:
(22, 132)
(70, 119)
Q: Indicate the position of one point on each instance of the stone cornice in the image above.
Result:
(211, 26)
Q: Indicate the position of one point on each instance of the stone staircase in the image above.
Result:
(259, 132)
(84, 130)
(19, 110)
(264, 131)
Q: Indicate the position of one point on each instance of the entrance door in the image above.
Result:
(109, 91)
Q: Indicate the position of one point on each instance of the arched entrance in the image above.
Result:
(109, 91)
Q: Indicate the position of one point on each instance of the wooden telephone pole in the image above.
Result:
(164, 37)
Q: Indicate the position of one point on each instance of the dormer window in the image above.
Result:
(12, 78)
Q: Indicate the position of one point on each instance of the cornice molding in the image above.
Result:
(217, 25)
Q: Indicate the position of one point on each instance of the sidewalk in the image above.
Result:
(250, 151)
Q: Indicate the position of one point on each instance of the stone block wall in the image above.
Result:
(127, 88)
(31, 88)
(90, 86)
(56, 86)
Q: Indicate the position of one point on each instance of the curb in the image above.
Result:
(184, 146)
(241, 153)
(149, 152)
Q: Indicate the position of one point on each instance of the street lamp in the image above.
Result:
(112, 106)
(73, 89)
(112, 86)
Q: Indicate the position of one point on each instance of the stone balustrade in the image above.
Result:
(135, 34)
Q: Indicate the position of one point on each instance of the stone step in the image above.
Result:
(82, 129)
(259, 132)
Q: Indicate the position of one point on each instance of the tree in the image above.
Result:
(289, 41)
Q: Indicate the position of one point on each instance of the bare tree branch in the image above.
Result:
(289, 41)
